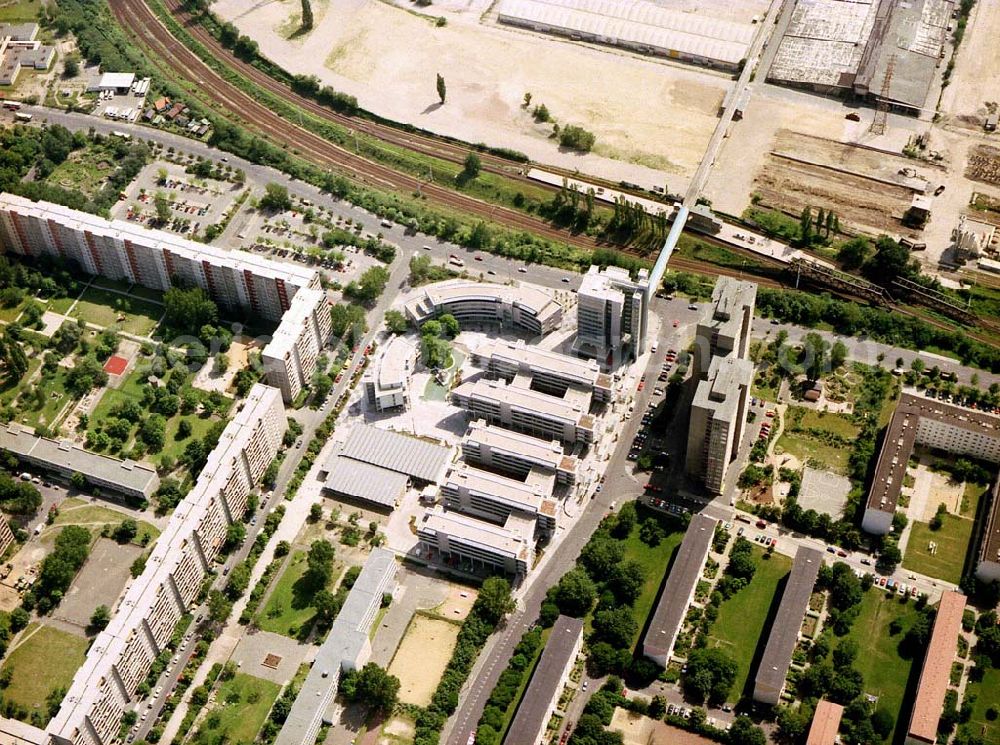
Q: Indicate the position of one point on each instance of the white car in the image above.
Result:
(523, 269)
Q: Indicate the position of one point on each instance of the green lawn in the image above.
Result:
(806, 448)
(50, 400)
(94, 517)
(987, 695)
(85, 171)
(289, 607)
(47, 660)
(19, 10)
(132, 388)
(739, 629)
(241, 706)
(838, 424)
(654, 561)
(116, 284)
(106, 308)
(885, 672)
(952, 546)
(9, 315)
(970, 498)
(61, 305)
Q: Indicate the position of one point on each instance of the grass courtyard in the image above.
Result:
(20, 10)
(987, 693)
(952, 542)
(289, 610)
(886, 674)
(804, 436)
(241, 706)
(85, 170)
(94, 517)
(132, 389)
(739, 629)
(45, 661)
(40, 401)
(106, 308)
(654, 561)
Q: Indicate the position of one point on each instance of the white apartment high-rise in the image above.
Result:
(611, 315)
(290, 357)
(118, 249)
(718, 415)
(725, 328)
(121, 655)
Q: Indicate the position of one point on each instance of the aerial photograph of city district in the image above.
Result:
(499, 372)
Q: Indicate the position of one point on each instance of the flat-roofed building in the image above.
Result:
(516, 453)
(539, 701)
(7, 537)
(988, 567)
(387, 383)
(290, 357)
(122, 654)
(678, 592)
(924, 421)
(356, 480)
(611, 315)
(936, 672)
(520, 408)
(725, 326)
(825, 723)
(14, 732)
(718, 416)
(550, 372)
(347, 647)
(458, 539)
(492, 497)
(773, 667)
(424, 462)
(118, 249)
(64, 458)
(518, 306)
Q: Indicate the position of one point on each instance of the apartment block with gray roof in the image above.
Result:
(718, 417)
(725, 327)
(516, 453)
(611, 315)
(290, 357)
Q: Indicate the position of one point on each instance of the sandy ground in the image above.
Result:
(973, 81)
(207, 378)
(639, 730)
(653, 119)
(422, 657)
(458, 603)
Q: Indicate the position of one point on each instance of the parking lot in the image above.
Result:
(195, 203)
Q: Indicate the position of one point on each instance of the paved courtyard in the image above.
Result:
(100, 582)
(271, 656)
(824, 491)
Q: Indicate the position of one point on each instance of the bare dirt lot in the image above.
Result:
(422, 657)
(984, 164)
(973, 81)
(652, 119)
(99, 582)
(861, 185)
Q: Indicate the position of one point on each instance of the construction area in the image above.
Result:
(869, 189)
(875, 50)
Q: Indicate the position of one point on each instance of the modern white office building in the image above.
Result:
(517, 453)
(490, 496)
(517, 306)
(550, 372)
(387, 382)
(290, 357)
(611, 315)
(458, 540)
(518, 407)
(718, 418)
(726, 323)
(121, 655)
(117, 249)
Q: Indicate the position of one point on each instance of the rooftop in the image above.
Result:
(362, 480)
(398, 452)
(527, 496)
(934, 676)
(679, 587)
(512, 539)
(533, 711)
(575, 369)
(127, 474)
(304, 304)
(825, 723)
(784, 634)
(117, 80)
(720, 392)
(901, 435)
(991, 535)
(731, 299)
(547, 452)
(396, 363)
(533, 299)
(524, 399)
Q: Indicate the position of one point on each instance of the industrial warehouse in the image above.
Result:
(877, 50)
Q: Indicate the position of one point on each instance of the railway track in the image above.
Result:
(440, 147)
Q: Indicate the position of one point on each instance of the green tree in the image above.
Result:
(126, 531)
(745, 732)
(100, 618)
(495, 600)
(219, 606)
(369, 286)
(396, 322)
(805, 227)
(616, 626)
(162, 207)
(320, 563)
(346, 316)
(854, 253)
(441, 88)
(315, 513)
(71, 67)
(815, 349)
(373, 686)
(575, 593)
(838, 354)
(189, 310)
(473, 165)
(600, 556)
(449, 325)
(307, 16)
(275, 198)
(710, 674)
